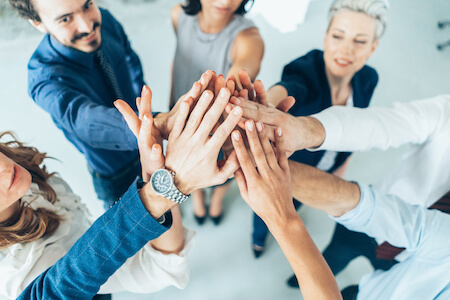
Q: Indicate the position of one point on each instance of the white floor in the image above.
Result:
(222, 265)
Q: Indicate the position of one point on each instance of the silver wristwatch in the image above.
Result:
(162, 182)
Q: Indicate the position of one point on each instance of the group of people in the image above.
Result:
(286, 146)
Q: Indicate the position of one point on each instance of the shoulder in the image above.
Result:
(306, 67)
(367, 78)
(306, 62)
(250, 37)
(175, 15)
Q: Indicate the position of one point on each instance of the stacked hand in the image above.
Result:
(148, 137)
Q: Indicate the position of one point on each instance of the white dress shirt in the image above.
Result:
(147, 271)
(420, 179)
(423, 175)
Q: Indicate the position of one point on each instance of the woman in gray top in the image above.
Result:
(213, 35)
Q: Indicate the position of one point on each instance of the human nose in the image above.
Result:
(6, 169)
(84, 24)
(346, 47)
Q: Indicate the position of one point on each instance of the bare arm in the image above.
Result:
(246, 53)
(267, 190)
(276, 94)
(322, 190)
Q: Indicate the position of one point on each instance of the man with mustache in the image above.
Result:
(83, 64)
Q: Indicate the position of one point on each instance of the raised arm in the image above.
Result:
(247, 53)
(267, 190)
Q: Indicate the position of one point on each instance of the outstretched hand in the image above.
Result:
(191, 152)
(265, 187)
(164, 122)
(148, 137)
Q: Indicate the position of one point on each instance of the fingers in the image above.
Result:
(243, 157)
(229, 167)
(157, 157)
(267, 147)
(286, 104)
(212, 82)
(255, 146)
(145, 105)
(242, 183)
(129, 115)
(260, 93)
(223, 132)
(213, 114)
(281, 150)
(220, 83)
(196, 117)
(246, 82)
(231, 84)
(145, 134)
(180, 120)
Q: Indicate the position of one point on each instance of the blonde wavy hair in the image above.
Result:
(27, 224)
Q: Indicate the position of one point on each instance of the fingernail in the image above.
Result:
(259, 126)
(237, 100)
(279, 131)
(237, 111)
(223, 92)
(144, 90)
(236, 136)
(249, 125)
(146, 120)
(115, 103)
(155, 147)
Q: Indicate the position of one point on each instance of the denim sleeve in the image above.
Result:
(113, 238)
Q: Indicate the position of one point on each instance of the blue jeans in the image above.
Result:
(345, 246)
(111, 188)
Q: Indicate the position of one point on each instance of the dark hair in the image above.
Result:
(193, 7)
(25, 9)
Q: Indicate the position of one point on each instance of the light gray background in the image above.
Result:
(222, 265)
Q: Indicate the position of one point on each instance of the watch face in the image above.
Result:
(161, 181)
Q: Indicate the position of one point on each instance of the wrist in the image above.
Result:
(280, 224)
(154, 204)
(312, 133)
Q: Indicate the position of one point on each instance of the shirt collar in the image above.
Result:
(72, 54)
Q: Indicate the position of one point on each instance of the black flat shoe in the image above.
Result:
(200, 220)
(292, 282)
(217, 220)
(257, 250)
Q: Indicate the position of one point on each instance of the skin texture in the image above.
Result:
(152, 159)
(266, 187)
(15, 181)
(73, 23)
(191, 140)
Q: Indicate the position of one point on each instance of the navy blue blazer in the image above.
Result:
(305, 80)
(68, 84)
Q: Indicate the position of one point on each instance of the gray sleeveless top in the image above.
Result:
(198, 51)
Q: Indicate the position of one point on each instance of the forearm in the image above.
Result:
(172, 241)
(315, 278)
(112, 239)
(275, 94)
(323, 191)
(354, 129)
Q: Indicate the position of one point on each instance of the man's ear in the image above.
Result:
(38, 25)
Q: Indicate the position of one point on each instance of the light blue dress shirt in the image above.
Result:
(425, 234)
